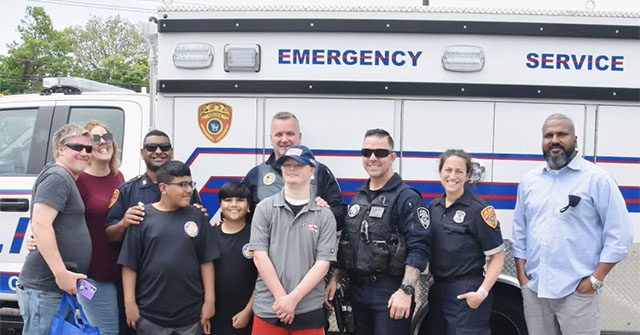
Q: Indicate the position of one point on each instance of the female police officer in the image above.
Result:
(464, 230)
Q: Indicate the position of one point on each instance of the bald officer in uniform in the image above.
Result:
(266, 180)
(384, 244)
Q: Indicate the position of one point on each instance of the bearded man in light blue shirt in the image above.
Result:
(570, 228)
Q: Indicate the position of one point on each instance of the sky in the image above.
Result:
(66, 13)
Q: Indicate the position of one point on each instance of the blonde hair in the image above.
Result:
(65, 132)
(114, 163)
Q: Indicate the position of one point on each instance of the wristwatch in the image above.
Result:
(596, 283)
(408, 289)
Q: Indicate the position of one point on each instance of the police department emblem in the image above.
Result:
(354, 210)
(246, 252)
(114, 197)
(489, 216)
(191, 228)
(214, 119)
(269, 178)
(459, 217)
(424, 217)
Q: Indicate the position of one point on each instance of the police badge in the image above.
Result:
(353, 210)
(459, 217)
(269, 178)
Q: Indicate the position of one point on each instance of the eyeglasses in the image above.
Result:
(78, 147)
(152, 147)
(186, 185)
(107, 138)
(380, 153)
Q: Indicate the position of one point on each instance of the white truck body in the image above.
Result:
(343, 70)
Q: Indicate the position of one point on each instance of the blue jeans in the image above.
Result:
(102, 310)
(37, 309)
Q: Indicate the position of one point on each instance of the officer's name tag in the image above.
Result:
(376, 212)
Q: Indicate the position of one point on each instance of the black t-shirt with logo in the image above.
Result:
(166, 250)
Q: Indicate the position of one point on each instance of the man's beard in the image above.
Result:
(560, 161)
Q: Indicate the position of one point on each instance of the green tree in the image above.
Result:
(118, 53)
(43, 51)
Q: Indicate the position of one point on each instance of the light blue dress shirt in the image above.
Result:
(561, 248)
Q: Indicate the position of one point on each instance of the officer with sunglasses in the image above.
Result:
(126, 207)
(385, 243)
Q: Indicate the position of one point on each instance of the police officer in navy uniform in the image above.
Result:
(465, 231)
(125, 209)
(266, 180)
(385, 243)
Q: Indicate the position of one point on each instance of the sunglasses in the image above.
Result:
(153, 147)
(107, 138)
(78, 147)
(186, 185)
(380, 153)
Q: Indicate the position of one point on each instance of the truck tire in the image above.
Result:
(507, 313)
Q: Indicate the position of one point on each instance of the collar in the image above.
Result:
(279, 201)
(145, 181)
(271, 161)
(465, 199)
(392, 183)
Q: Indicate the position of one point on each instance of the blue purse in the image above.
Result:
(60, 326)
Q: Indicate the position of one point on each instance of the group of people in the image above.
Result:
(270, 261)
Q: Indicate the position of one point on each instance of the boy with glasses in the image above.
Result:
(128, 200)
(168, 272)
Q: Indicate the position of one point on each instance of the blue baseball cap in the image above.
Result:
(300, 153)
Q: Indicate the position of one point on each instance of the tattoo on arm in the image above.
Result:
(411, 275)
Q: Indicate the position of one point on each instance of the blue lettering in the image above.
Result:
(590, 62)
(350, 60)
(382, 57)
(562, 60)
(546, 60)
(283, 56)
(300, 56)
(394, 58)
(615, 61)
(414, 57)
(365, 57)
(599, 66)
(317, 56)
(333, 56)
(578, 64)
(532, 60)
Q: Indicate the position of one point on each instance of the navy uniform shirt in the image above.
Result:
(404, 215)
(138, 189)
(462, 235)
(327, 186)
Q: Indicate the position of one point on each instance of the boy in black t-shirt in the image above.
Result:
(235, 272)
(168, 271)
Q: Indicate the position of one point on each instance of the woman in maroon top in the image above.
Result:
(96, 185)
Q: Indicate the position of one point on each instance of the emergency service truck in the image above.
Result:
(482, 80)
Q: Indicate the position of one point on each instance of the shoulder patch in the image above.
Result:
(424, 217)
(489, 216)
(114, 197)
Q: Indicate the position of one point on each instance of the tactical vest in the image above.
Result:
(270, 181)
(370, 242)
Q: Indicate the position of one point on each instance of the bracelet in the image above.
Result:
(483, 292)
